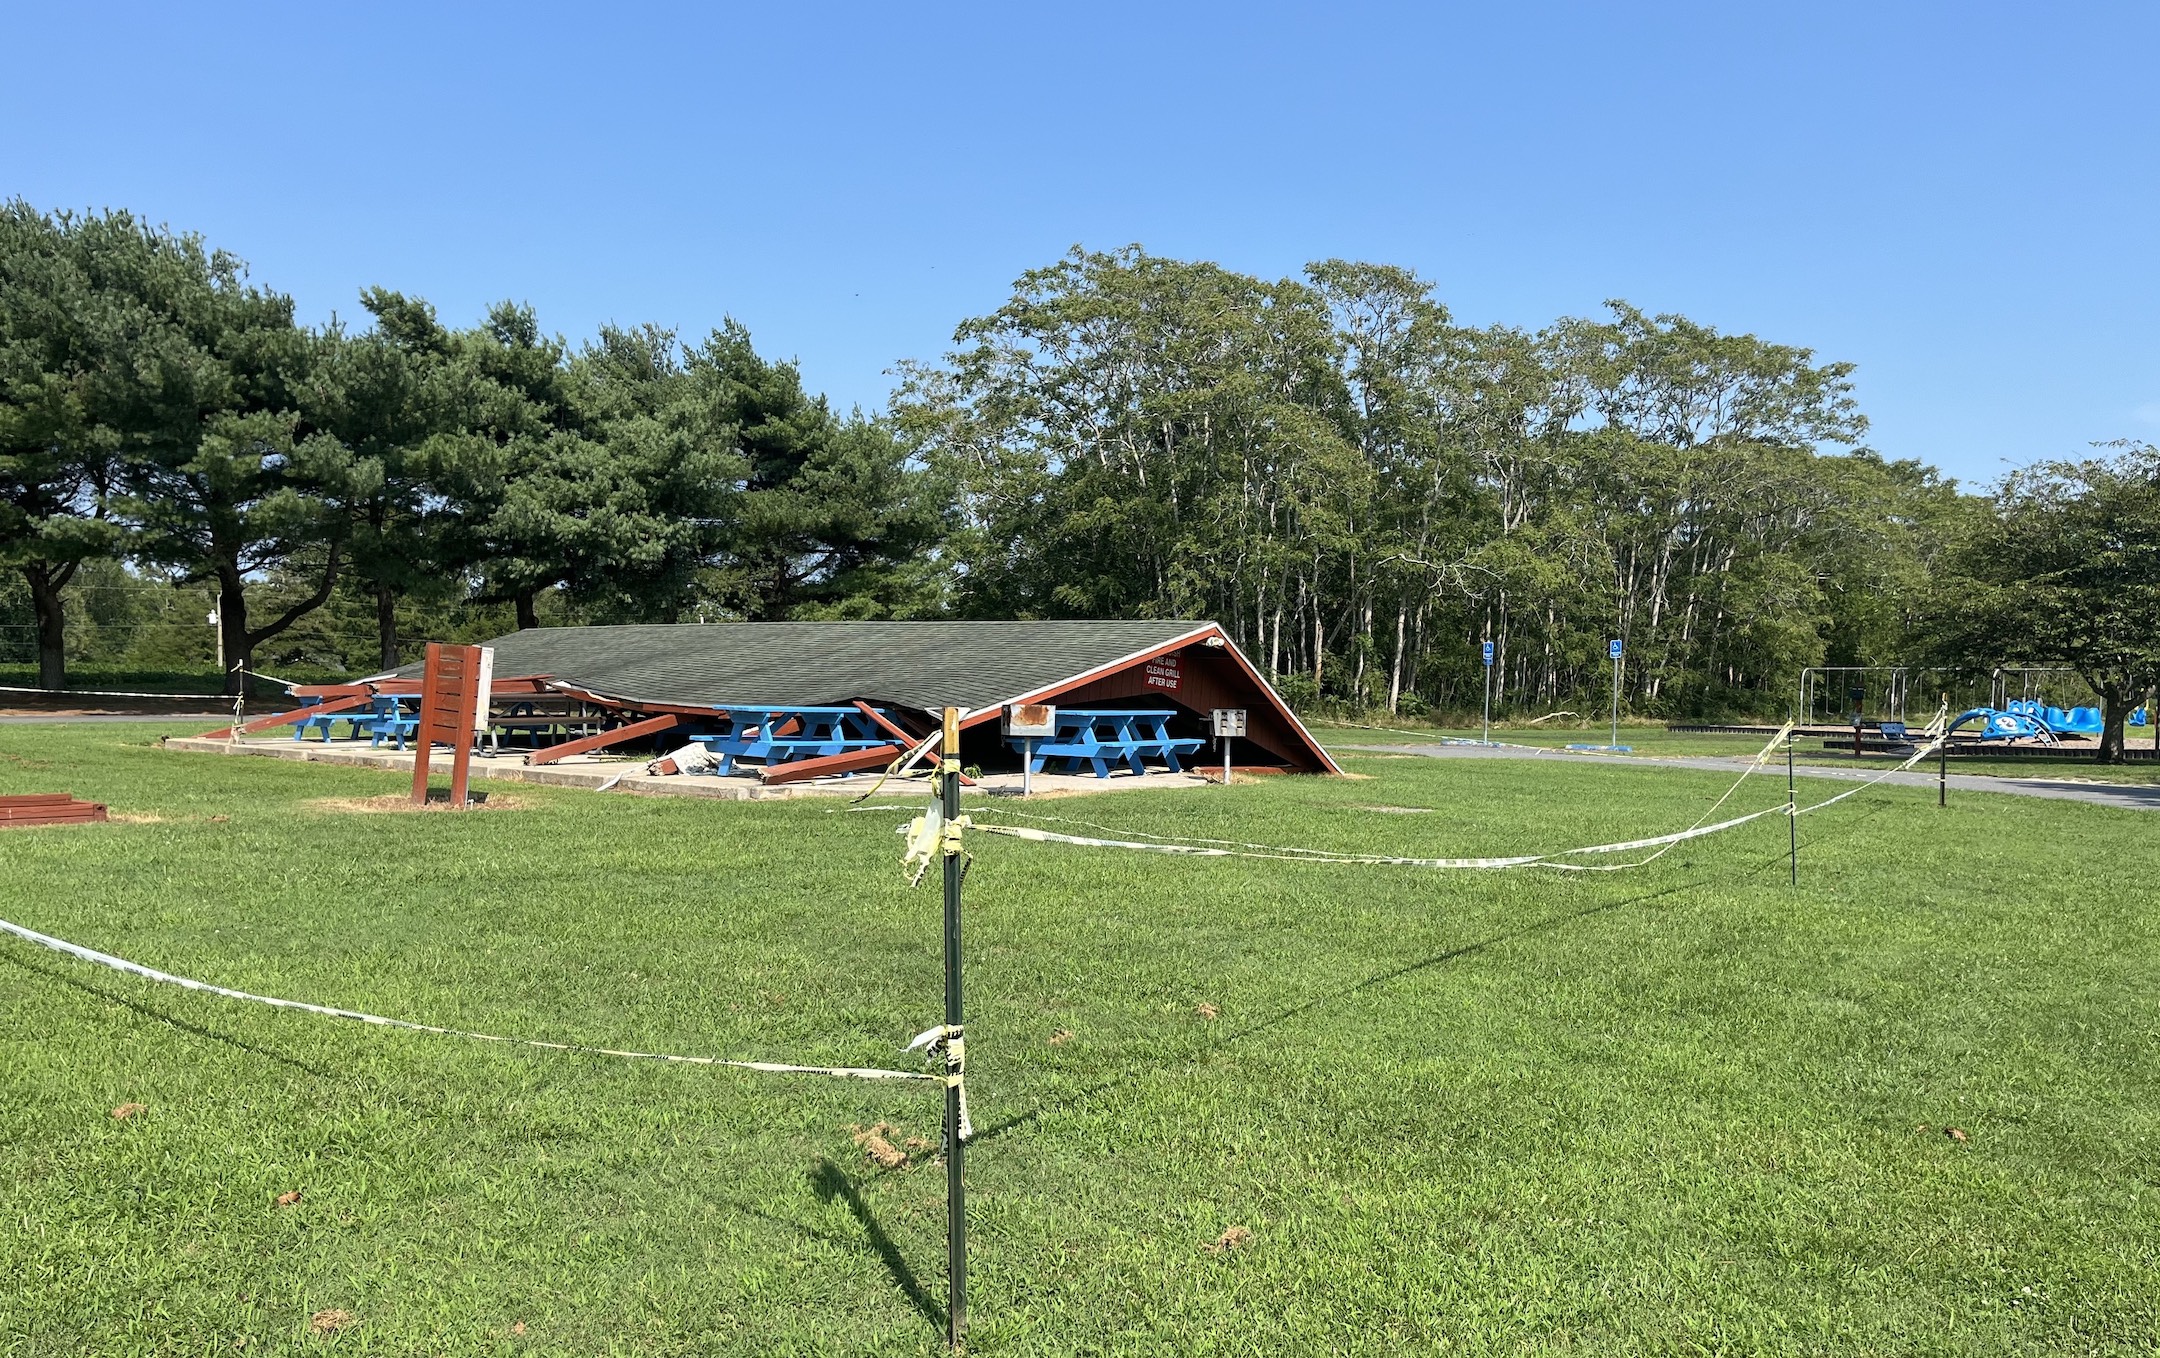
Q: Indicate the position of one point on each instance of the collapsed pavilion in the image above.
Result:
(643, 683)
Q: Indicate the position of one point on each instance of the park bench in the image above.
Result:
(1100, 737)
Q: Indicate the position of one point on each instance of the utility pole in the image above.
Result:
(955, 1194)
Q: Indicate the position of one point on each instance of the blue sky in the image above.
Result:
(1958, 198)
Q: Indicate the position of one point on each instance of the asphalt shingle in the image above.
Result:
(920, 665)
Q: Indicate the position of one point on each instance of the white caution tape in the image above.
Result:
(111, 693)
(1220, 848)
(950, 1038)
(1284, 853)
(1917, 755)
(76, 950)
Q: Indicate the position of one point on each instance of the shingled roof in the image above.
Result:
(920, 665)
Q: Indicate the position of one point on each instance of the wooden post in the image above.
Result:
(955, 1193)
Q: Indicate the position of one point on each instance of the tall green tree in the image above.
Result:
(2066, 571)
(400, 399)
(526, 428)
(227, 479)
(829, 516)
(64, 354)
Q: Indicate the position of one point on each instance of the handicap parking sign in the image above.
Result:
(1488, 653)
(1612, 648)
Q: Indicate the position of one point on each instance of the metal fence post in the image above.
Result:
(955, 1194)
(1792, 807)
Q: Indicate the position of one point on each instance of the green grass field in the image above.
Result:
(1681, 1109)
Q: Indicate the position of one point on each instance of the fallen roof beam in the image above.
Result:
(601, 740)
(323, 709)
(854, 761)
(909, 740)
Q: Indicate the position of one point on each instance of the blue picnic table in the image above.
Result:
(1101, 737)
(386, 718)
(779, 735)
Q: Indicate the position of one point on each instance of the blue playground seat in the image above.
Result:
(2078, 721)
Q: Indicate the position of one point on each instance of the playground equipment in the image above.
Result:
(1869, 695)
(2007, 727)
(2078, 721)
(2055, 697)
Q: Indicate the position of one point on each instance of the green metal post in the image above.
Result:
(955, 1193)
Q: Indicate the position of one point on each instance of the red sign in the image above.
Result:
(1162, 672)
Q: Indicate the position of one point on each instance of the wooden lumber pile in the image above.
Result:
(49, 808)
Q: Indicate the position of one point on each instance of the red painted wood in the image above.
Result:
(603, 739)
(854, 761)
(1209, 677)
(49, 808)
(297, 714)
(449, 701)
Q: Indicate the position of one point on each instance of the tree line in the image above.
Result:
(158, 407)
(1360, 488)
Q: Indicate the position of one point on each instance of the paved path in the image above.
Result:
(2131, 797)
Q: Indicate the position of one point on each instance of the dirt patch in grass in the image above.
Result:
(877, 1148)
(1397, 810)
(394, 802)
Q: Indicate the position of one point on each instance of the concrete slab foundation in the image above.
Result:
(600, 773)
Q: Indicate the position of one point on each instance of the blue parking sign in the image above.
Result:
(1488, 653)
(1612, 648)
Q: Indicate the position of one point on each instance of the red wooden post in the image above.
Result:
(450, 698)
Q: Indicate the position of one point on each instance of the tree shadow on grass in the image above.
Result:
(832, 1182)
(162, 1016)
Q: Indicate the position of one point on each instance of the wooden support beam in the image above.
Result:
(322, 709)
(854, 761)
(892, 728)
(585, 744)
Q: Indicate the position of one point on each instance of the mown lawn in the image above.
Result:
(1686, 1108)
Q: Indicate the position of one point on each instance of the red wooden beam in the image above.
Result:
(322, 709)
(854, 761)
(893, 728)
(49, 808)
(620, 705)
(647, 727)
